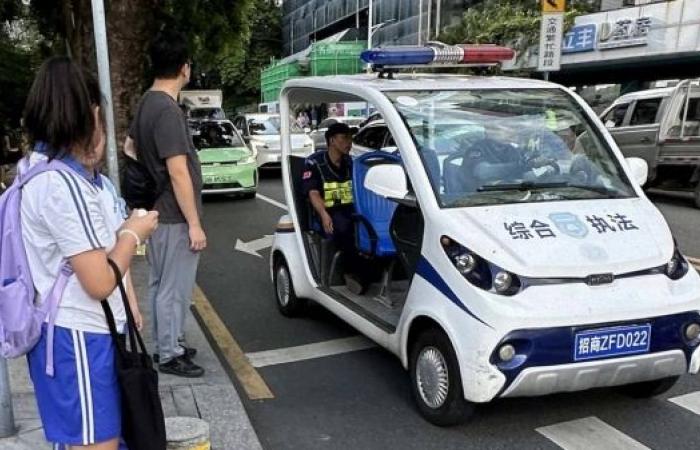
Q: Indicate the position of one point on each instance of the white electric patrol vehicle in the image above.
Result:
(516, 253)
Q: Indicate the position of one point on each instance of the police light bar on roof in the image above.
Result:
(437, 55)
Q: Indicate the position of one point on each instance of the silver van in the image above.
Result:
(661, 126)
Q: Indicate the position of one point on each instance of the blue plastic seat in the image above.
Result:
(373, 212)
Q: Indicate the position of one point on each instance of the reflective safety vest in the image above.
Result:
(337, 193)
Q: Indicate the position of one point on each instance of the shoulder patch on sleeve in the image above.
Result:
(306, 175)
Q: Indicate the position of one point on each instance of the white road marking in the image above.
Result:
(310, 351)
(588, 433)
(691, 402)
(254, 246)
(272, 201)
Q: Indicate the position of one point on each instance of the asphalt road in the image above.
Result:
(361, 399)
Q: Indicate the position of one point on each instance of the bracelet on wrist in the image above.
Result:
(131, 233)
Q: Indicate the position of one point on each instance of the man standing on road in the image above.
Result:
(327, 181)
(160, 138)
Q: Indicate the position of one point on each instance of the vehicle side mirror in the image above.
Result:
(639, 169)
(389, 181)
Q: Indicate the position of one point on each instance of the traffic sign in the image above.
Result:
(549, 6)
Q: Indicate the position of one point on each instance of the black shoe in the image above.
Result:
(181, 366)
(355, 285)
(190, 352)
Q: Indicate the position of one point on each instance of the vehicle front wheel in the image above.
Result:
(435, 380)
(647, 389)
(287, 301)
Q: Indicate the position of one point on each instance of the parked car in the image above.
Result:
(262, 133)
(530, 266)
(319, 134)
(228, 165)
(661, 126)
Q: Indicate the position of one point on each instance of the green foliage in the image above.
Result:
(515, 23)
(231, 41)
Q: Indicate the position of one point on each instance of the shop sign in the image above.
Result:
(581, 38)
(624, 33)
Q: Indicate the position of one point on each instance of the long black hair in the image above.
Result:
(59, 107)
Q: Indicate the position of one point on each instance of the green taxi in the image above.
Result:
(228, 165)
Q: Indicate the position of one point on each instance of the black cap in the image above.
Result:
(338, 128)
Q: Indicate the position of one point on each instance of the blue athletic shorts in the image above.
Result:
(80, 404)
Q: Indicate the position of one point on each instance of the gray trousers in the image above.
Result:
(170, 286)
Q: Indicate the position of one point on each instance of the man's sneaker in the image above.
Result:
(190, 352)
(181, 366)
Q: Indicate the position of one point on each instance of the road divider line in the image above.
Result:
(588, 433)
(272, 201)
(310, 351)
(253, 384)
(691, 402)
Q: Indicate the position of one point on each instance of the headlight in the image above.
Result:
(479, 271)
(677, 267)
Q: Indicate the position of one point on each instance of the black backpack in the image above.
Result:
(139, 189)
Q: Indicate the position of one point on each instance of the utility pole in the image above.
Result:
(100, 32)
(420, 22)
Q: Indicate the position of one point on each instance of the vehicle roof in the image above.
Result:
(409, 82)
(648, 93)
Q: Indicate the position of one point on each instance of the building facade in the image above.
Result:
(401, 21)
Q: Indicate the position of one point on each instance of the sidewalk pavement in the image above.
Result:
(212, 398)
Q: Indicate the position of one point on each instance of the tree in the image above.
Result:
(515, 23)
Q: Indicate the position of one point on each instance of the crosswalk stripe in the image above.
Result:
(691, 402)
(310, 351)
(588, 433)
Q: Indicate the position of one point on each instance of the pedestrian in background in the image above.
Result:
(159, 136)
(63, 218)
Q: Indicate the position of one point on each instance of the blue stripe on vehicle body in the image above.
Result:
(429, 274)
(76, 183)
(77, 206)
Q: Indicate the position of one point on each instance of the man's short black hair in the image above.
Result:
(169, 51)
(59, 106)
(337, 128)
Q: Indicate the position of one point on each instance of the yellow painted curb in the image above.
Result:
(253, 384)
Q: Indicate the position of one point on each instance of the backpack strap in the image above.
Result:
(26, 173)
(50, 307)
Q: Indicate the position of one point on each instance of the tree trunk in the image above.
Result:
(130, 27)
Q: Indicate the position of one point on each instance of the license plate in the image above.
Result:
(216, 179)
(626, 340)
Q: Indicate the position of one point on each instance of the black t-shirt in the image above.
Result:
(160, 131)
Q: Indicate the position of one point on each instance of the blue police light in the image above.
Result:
(398, 56)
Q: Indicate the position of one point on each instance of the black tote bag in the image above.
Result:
(143, 423)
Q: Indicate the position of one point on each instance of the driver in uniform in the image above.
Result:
(327, 183)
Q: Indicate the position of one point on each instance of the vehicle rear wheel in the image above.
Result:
(648, 389)
(287, 301)
(435, 380)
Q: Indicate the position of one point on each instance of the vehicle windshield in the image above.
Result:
(485, 147)
(217, 135)
(207, 113)
(265, 126)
